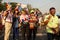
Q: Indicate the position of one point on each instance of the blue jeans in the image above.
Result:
(15, 30)
(15, 33)
(52, 36)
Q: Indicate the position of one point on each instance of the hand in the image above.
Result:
(42, 24)
(26, 21)
(49, 17)
(19, 25)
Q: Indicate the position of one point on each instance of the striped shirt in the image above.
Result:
(24, 17)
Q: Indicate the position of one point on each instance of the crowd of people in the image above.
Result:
(28, 22)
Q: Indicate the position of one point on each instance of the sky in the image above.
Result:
(43, 5)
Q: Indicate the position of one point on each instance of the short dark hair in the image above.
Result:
(51, 8)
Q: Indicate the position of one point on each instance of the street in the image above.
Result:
(41, 35)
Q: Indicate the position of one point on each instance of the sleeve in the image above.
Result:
(40, 20)
(27, 17)
(57, 20)
(20, 19)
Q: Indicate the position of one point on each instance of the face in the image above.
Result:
(16, 11)
(32, 14)
(52, 12)
(23, 12)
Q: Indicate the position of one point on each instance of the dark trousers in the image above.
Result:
(32, 34)
(25, 30)
(59, 35)
(51, 36)
(15, 33)
(1, 26)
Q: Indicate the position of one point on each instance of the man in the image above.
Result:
(51, 21)
(8, 22)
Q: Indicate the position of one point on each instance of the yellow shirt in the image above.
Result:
(53, 23)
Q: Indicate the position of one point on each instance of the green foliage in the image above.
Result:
(0, 1)
(2, 7)
(13, 5)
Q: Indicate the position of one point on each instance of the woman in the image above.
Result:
(15, 25)
(32, 26)
(24, 24)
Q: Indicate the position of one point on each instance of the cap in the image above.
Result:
(32, 11)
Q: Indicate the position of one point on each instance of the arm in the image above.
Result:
(46, 20)
(5, 13)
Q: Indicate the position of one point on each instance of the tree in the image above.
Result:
(13, 5)
(29, 7)
(2, 7)
(0, 1)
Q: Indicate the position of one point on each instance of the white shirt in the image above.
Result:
(24, 17)
(9, 18)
